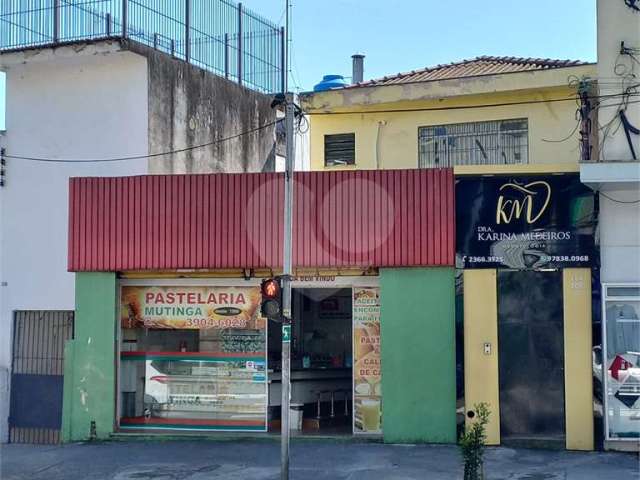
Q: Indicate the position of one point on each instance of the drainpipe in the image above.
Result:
(381, 123)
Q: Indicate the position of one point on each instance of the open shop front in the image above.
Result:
(196, 355)
(169, 336)
(336, 368)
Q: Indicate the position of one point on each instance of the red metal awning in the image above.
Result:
(219, 221)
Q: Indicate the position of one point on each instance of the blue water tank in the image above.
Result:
(329, 82)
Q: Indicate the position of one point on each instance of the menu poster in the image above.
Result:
(367, 386)
(191, 307)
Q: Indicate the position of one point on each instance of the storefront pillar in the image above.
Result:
(418, 355)
(481, 347)
(577, 358)
(89, 373)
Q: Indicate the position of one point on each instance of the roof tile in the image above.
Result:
(484, 65)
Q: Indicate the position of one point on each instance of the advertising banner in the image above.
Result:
(367, 386)
(191, 307)
(524, 222)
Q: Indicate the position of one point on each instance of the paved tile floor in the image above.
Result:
(311, 459)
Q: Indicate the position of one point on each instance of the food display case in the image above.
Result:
(192, 357)
(199, 390)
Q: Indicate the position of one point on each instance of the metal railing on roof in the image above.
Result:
(217, 35)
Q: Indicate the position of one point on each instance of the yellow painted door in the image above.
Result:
(481, 347)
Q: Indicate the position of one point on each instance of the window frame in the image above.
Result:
(338, 165)
(605, 299)
(423, 163)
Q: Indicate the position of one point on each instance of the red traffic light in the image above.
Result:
(270, 288)
(271, 299)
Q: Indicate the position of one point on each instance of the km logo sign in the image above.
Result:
(528, 201)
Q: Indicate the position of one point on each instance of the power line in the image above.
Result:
(626, 202)
(464, 107)
(262, 127)
(140, 157)
(575, 129)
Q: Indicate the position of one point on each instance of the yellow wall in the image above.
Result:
(398, 141)
(395, 135)
(577, 358)
(480, 327)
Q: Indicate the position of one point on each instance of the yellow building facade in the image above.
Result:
(448, 116)
(386, 117)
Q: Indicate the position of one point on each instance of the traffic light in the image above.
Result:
(271, 306)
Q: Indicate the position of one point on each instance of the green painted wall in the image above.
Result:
(418, 355)
(89, 374)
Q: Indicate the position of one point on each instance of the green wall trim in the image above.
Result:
(418, 355)
(89, 384)
(67, 388)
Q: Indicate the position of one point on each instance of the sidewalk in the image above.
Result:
(311, 460)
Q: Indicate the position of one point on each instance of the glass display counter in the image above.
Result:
(192, 357)
(199, 390)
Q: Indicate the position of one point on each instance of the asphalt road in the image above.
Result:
(311, 460)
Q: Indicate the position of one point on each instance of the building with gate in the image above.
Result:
(112, 88)
(169, 336)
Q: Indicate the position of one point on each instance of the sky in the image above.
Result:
(398, 36)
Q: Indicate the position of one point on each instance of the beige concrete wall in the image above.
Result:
(617, 23)
(395, 135)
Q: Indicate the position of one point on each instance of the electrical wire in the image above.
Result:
(633, 5)
(465, 107)
(140, 157)
(302, 120)
(295, 73)
(575, 129)
(628, 81)
(624, 202)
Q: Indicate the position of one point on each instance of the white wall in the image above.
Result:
(619, 178)
(617, 23)
(64, 103)
(616, 175)
(2, 98)
(620, 233)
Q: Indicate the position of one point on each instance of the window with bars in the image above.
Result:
(501, 142)
(340, 149)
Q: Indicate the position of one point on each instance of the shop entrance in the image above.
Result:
(321, 361)
(531, 357)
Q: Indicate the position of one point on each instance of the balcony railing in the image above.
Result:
(217, 35)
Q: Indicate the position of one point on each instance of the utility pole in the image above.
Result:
(287, 269)
(286, 285)
(584, 92)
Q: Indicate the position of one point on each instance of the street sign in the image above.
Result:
(286, 333)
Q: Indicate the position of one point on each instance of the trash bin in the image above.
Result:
(295, 416)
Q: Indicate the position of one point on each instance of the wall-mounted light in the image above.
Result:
(247, 273)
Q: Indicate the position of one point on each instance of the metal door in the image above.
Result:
(531, 356)
(37, 375)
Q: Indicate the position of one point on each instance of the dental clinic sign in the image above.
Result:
(524, 222)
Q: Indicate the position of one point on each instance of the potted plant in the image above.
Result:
(472, 442)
